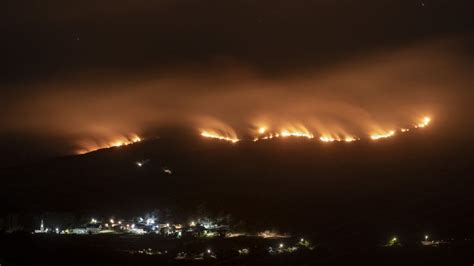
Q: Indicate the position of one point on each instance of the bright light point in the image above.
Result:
(139, 164)
(262, 130)
(426, 237)
(404, 129)
(209, 251)
(192, 223)
(394, 239)
(111, 221)
(301, 240)
(213, 135)
(281, 245)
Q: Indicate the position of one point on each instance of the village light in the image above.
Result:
(281, 245)
(209, 251)
(426, 237)
(111, 221)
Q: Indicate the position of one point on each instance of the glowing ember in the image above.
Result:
(382, 136)
(214, 135)
(404, 129)
(262, 130)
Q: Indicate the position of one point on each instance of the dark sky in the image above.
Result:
(44, 39)
(79, 70)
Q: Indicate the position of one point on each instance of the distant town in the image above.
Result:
(199, 229)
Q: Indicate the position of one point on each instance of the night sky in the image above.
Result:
(78, 72)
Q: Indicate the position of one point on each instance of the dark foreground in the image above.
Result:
(26, 249)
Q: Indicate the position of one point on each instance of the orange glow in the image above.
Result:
(118, 142)
(377, 136)
(350, 139)
(424, 122)
(298, 131)
(215, 135)
(329, 138)
(286, 133)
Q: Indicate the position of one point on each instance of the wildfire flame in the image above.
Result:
(377, 136)
(287, 133)
(329, 138)
(424, 122)
(118, 142)
(215, 135)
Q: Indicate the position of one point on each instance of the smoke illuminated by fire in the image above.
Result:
(374, 98)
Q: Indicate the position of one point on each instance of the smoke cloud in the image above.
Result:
(359, 96)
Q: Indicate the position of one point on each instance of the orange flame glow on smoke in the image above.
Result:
(377, 136)
(300, 131)
(214, 135)
(118, 142)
